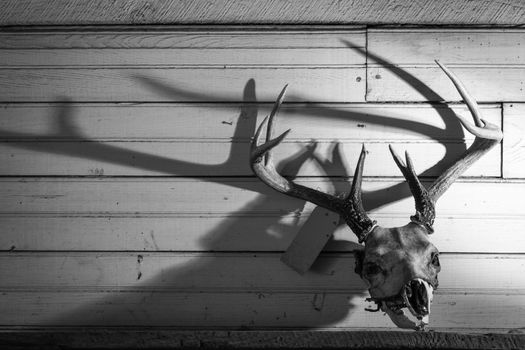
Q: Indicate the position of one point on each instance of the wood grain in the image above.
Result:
(190, 158)
(31, 12)
(246, 310)
(486, 84)
(490, 63)
(182, 38)
(230, 196)
(125, 194)
(283, 339)
(466, 46)
(235, 121)
(173, 47)
(232, 215)
(156, 84)
(235, 272)
(193, 57)
(251, 233)
(199, 139)
(514, 145)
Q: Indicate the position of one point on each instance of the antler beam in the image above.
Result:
(350, 208)
(487, 136)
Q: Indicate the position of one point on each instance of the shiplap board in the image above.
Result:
(237, 233)
(178, 48)
(169, 139)
(406, 83)
(246, 310)
(195, 57)
(459, 12)
(514, 145)
(468, 46)
(206, 158)
(183, 38)
(231, 196)
(234, 214)
(215, 213)
(227, 272)
(142, 66)
(180, 84)
(237, 121)
(491, 64)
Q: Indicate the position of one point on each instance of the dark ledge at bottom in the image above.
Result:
(118, 338)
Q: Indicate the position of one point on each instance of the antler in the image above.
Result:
(350, 207)
(487, 136)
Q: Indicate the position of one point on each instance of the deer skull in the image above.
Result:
(399, 265)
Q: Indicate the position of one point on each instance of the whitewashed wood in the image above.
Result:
(193, 140)
(204, 84)
(212, 121)
(405, 83)
(459, 12)
(490, 63)
(453, 233)
(194, 57)
(468, 46)
(514, 145)
(121, 221)
(176, 47)
(198, 158)
(247, 310)
(181, 37)
(120, 213)
(197, 272)
(233, 196)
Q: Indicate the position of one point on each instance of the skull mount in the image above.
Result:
(399, 265)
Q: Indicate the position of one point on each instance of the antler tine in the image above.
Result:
(487, 136)
(264, 168)
(355, 214)
(481, 128)
(425, 209)
(273, 113)
(262, 165)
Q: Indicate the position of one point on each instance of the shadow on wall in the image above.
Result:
(199, 303)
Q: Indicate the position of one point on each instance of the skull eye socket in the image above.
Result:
(435, 260)
(372, 269)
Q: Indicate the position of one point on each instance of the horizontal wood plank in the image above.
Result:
(185, 101)
(174, 47)
(458, 12)
(168, 139)
(235, 196)
(235, 121)
(204, 84)
(206, 158)
(196, 57)
(254, 233)
(182, 38)
(233, 214)
(468, 46)
(128, 337)
(406, 83)
(514, 145)
(246, 310)
(402, 68)
(226, 272)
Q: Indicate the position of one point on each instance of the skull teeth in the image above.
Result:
(418, 295)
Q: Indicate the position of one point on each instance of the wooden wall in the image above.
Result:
(126, 198)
